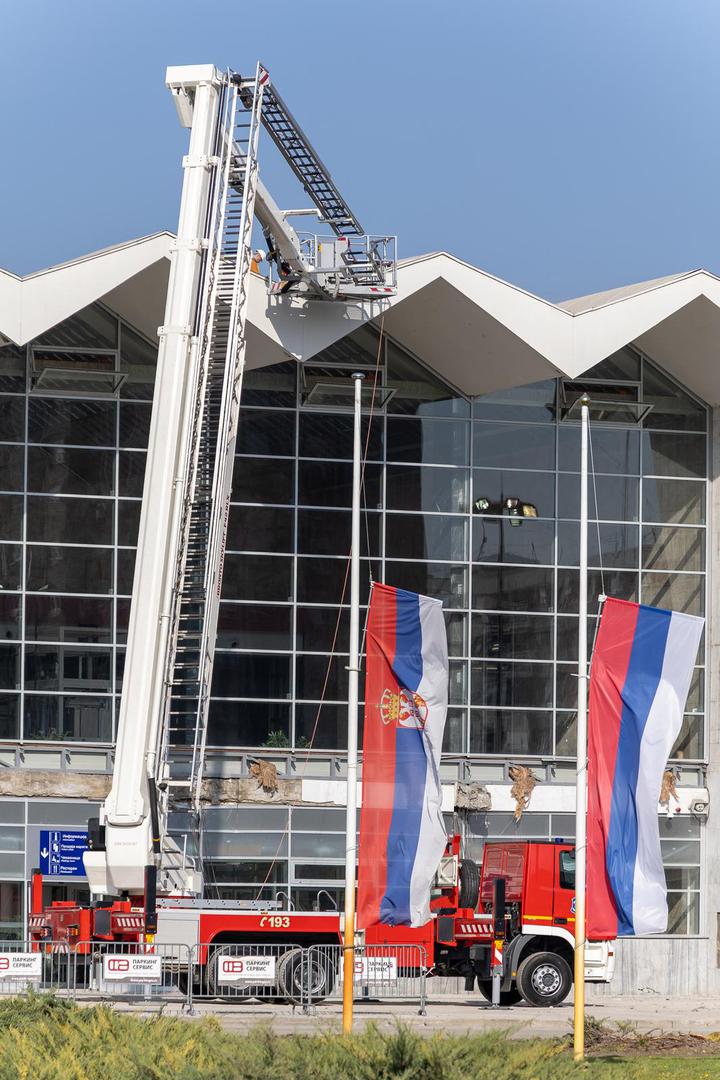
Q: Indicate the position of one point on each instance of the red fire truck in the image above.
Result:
(533, 930)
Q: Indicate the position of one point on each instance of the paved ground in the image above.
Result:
(459, 1014)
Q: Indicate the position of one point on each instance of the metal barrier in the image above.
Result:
(134, 972)
(382, 973)
(26, 966)
(131, 971)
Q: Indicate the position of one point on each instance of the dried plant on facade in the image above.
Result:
(266, 775)
(668, 789)
(524, 781)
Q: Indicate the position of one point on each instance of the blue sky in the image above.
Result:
(565, 145)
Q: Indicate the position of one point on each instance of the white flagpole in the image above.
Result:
(352, 724)
(581, 780)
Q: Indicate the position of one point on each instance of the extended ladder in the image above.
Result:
(222, 311)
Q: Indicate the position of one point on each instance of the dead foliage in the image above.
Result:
(623, 1037)
(668, 789)
(266, 774)
(524, 781)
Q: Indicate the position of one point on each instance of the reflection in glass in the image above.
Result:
(679, 501)
(665, 548)
(432, 442)
(502, 683)
(512, 637)
(678, 592)
(58, 569)
(417, 487)
(263, 480)
(426, 536)
(513, 446)
(254, 626)
(510, 731)
(524, 540)
(257, 577)
(513, 588)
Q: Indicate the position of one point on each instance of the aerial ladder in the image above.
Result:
(163, 722)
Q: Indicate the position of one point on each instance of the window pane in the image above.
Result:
(262, 480)
(513, 637)
(128, 522)
(135, 423)
(12, 419)
(263, 431)
(622, 584)
(509, 731)
(534, 402)
(257, 577)
(623, 366)
(678, 592)
(321, 581)
(665, 548)
(11, 514)
(56, 717)
(316, 629)
(680, 501)
(67, 668)
(619, 545)
(138, 359)
(496, 485)
(614, 450)
(254, 676)
(690, 743)
(68, 618)
(318, 845)
(275, 385)
(567, 634)
(425, 536)
(512, 588)
(260, 528)
(57, 569)
(13, 362)
(313, 674)
(12, 460)
(10, 615)
(455, 735)
(683, 913)
(254, 845)
(329, 532)
(10, 566)
(125, 570)
(566, 734)
(441, 580)
(131, 474)
(249, 626)
(668, 454)
(9, 667)
(440, 442)
(418, 391)
(68, 420)
(414, 487)
(330, 435)
(70, 521)
(329, 483)
(513, 446)
(456, 626)
(69, 471)
(324, 725)
(502, 683)
(672, 407)
(91, 328)
(9, 716)
(520, 540)
(617, 497)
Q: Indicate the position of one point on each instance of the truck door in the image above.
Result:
(564, 890)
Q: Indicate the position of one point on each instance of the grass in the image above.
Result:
(43, 1038)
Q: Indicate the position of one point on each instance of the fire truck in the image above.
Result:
(146, 885)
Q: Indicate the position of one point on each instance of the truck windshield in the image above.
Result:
(567, 869)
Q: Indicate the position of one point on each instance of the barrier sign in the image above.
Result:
(122, 967)
(61, 852)
(376, 969)
(23, 966)
(246, 969)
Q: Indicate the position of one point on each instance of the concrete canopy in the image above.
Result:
(475, 331)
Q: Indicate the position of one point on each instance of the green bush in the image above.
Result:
(42, 1038)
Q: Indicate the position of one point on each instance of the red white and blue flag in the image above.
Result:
(641, 671)
(402, 833)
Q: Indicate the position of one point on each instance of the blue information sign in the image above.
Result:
(61, 852)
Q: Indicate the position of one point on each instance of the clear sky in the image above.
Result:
(565, 145)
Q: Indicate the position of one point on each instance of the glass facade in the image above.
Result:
(473, 501)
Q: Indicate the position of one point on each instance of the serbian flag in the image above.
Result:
(639, 681)
(402, 833)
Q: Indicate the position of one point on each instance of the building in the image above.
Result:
(471, 494)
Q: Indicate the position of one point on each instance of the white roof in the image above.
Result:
(478, 332)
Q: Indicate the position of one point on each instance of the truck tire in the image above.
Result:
(306, 977)
(544, 979)
(469, 890)
(507, 997)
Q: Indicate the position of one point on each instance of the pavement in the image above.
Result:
(460, 1014)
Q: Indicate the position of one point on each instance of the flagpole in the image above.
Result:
(581, 776)
(352, 724)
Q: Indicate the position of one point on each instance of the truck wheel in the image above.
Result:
(507, 997)
(306, 978)
(544, 979)
(469, 890)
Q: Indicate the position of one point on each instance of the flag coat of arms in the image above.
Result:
(402, 833)
(640, 676)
